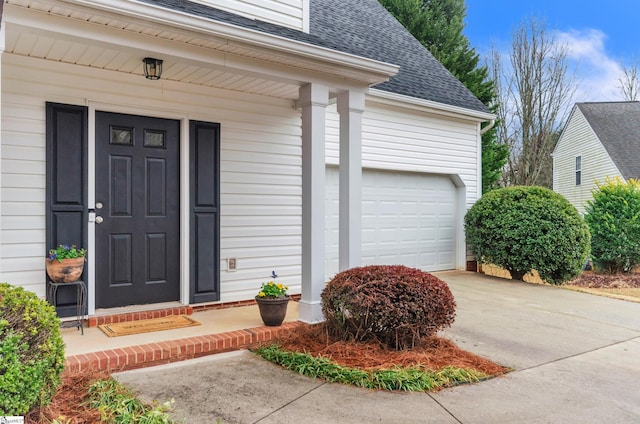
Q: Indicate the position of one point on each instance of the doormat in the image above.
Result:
(147, 325)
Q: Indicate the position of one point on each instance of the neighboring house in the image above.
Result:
(231, 157)
(600, 140)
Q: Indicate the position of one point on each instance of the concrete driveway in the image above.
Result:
(576, 358)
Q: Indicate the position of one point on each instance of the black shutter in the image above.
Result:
(204, 179)
(66, 202)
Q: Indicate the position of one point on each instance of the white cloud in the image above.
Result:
(596, 70)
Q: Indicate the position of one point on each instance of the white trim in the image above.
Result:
(566, 125)
(306, 16)
(461, 211)
(2, 46)
(239, 35)
(184, 188)
(461, 241)
(479, 163)
(185, 212)
(415, 103)
(91, 203)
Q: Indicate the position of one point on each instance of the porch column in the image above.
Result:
(313, 99)
(350, 108)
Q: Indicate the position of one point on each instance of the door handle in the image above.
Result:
(99, 219)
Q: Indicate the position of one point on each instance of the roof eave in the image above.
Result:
(394, 99)
(573, 111)
(368, 70)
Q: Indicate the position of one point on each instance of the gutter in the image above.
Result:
(488, 127)
(387, 97)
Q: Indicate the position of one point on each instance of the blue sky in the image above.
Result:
(599, 33)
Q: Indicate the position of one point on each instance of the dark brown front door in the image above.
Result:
(137, 206)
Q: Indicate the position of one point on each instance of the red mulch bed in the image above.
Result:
(607, 281)
(70, 403)
(433, 353)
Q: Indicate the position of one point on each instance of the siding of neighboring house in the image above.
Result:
(260, 167)
(578, 139)
(288, 13)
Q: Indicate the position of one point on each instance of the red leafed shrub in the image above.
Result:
(396, 305)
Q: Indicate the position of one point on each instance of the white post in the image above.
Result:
(314, 99)
(350, 108)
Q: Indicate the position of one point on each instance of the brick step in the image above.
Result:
(151, 354)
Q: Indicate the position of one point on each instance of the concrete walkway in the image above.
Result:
(576, 358)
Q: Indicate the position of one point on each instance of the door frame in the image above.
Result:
(184, 190)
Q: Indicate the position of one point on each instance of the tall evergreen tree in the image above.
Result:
(439, 25)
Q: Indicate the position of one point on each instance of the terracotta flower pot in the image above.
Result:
(67, 271)
(272, 310)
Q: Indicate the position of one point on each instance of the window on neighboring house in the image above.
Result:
(578, 170)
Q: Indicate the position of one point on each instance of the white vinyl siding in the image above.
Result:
(287, 13)
(260, 167)
(578, 139)
(398, 139)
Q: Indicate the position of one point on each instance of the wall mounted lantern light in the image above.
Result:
(152, 68)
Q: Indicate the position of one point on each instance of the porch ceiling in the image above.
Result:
(71, 33)
(43, 44)
(80, 52)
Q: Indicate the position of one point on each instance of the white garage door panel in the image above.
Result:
(407, 219)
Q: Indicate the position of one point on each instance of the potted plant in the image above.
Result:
(272, 301)
(65, 263)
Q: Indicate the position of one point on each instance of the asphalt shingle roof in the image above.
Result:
(363, 28)
(617, 125)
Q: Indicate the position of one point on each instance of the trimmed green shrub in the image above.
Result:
(525, 228)
(614, 221)
(395, 305)
(31, 351)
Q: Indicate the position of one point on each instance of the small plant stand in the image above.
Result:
(81, 302)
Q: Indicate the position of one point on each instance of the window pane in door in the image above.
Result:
(153, 138)
(121, 135)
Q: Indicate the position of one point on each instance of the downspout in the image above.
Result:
(488, 127)
(482, 131)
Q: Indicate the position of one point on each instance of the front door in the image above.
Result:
(137, 210)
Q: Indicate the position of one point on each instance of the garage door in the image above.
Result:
(407, 219)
